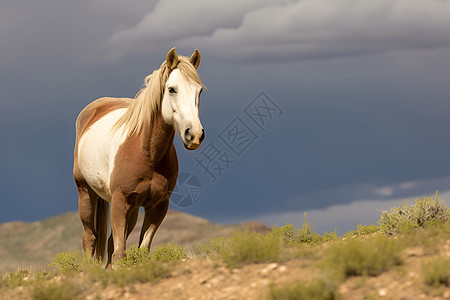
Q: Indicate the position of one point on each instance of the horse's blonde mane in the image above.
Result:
(147, 101)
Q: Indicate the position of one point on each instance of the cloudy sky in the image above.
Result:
(357, 96)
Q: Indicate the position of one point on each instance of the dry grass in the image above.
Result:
(249, 247)
(356, 257)
(317, 290)
(436, 272)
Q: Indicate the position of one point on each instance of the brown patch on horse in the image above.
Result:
(151, 158)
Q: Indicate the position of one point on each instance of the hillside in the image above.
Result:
(406, 256)
(36, 244)
(297, 273)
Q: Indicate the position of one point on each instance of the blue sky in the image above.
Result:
(363, 87)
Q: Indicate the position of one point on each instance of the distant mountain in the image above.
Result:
(36, 244)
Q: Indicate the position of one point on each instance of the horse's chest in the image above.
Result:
(135, 178)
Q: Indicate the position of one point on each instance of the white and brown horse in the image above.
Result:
(124, 155)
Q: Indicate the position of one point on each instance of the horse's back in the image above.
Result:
(96, 110)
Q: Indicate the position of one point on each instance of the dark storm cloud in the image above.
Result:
(175, 20)
(33, 30)
(292, 30)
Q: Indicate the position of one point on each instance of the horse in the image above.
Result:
(124, 156)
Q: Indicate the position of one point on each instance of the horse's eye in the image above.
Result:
(172, 90)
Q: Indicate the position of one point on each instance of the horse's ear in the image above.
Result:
(172, 59)
(195, 58)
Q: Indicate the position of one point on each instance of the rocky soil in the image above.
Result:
(207, 279)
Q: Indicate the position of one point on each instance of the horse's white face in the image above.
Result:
(180, 108)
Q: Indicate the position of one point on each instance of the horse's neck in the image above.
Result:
(157, 139)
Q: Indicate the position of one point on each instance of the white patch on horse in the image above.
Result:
(180, 107)
(97, 150)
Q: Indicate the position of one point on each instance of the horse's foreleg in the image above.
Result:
(152, 219)
(120, 212)
(86, 209)
(132, 219)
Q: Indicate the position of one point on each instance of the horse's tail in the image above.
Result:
(101, 227)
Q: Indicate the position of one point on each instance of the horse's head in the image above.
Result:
(181, 101)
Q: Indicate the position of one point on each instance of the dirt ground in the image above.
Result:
(207, 279)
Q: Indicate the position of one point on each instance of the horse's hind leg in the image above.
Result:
(152, 219)
(86, 208)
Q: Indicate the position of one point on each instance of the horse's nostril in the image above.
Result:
(187, 135)
(203, 135)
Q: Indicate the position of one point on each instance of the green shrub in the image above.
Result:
(215, 246)
(251, 247)
(23, 277)
(317, 290)
(135, 255)
(163, 252)
(14, 279)
(73, 262)
(363, 257)
(436, 272)
(426, 210)
(291, 236)
(430, 238)
(363, 230)
(332, 236)
(168, 252)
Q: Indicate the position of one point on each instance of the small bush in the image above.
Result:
(362, 230)
(250, 247)
(14, 279)
(72, 262)
(291, 236)
(168, 252)
(332, 236)
(135, 255)
(318, 290)
(437, 272)
(426, 210)
(215, 246)
(363, 257)
(433, 235)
